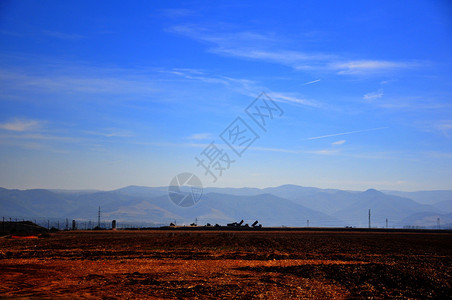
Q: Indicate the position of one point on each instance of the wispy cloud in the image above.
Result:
(265, 47)
(31, 145)
(444, 126)
(61, 35)
(39, 137)
(415, 103)
(345, 133)
(438, 154)
(281, 97)
(111, 133)
(243, 86)
(323, 152)
(67, 78)
(177, 12)
(200, 136)
(311, 82)
(373, 96)
(337, 143)
(21, 125)
(11, 33)
(366, 66)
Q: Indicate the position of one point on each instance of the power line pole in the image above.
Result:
(307, 222)
(386, 222)
(98, 219)
(369, 218)
(439, 226)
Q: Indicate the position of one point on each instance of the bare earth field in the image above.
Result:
(218, 264)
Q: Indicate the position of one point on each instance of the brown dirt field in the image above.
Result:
(217, 264)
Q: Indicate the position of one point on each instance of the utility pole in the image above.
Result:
(369, 218)
(437, 220)
(386, 222)
(98, 219)
(307, 222)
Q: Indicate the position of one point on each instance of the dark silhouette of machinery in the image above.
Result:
(235, 224)
(239, 224)
(255, 225)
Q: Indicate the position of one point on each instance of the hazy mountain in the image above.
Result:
(143, 191)
(428, 220)
(86, 205)
(326, 201)
(424, 197)
(292, 192)
(444, 206)
(268, 209)
(32, 203)
(221, 208)
(382, 206)
(235, 191)
(73, 192)
(288, 205)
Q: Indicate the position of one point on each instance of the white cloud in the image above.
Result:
(39, 137)
(31, 145)
(243, 86)
(252, 45)
(61, 35)
(344, 133)
(111, 133)
(281, 97)
(366, 66)
(200, 136)
(438, 154)
(295, 59)
(311, 82)
(69, 78)
(177, 12)
(21, 125)
(323, 152)
(373, 96)
(444, 126)
(337, 143)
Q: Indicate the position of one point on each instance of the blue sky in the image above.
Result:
(105, 94)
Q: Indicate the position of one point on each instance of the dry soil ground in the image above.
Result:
(218, 264)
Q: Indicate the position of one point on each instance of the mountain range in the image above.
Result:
(286, 205)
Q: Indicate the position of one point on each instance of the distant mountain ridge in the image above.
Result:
(286, 205)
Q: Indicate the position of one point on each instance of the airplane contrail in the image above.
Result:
(310, 82)
(344, 133)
